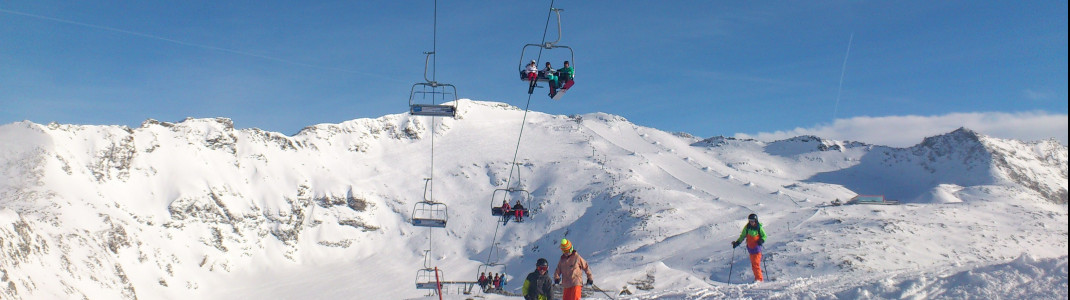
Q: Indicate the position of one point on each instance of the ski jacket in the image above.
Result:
(752, 235)
(566, 73)
(549, 73)
(570, 270)
(537, 286)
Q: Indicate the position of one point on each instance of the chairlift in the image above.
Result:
(493, 268)
(498, 268)
(428, 213)
(432, 89)
(429, 279)
(547, 46)
(513, 196)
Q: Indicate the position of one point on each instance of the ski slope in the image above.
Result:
(199, 209)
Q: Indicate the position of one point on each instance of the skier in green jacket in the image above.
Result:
(565, 76)
(755, 236)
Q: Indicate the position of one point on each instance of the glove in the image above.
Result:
(735, 244)
(557, 280)
(590, 281)
(760, 242)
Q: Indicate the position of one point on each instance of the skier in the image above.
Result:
(483, 281)
(518, 210)
(532, 74)
(568, 272)
(505, 212)
(755, 236)
(565, 75)
(551, 78)
(538, 285)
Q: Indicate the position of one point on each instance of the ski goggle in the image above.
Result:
(542, 268)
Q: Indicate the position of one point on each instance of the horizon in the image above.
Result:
(896, 142)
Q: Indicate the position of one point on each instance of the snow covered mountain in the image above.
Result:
(945, 164)
(201, 209)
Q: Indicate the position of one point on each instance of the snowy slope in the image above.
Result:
(961, 158)
(200, 209)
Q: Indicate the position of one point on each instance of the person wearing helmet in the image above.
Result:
(570, 270)
(538, 286)
(755, 236)
(531, 72)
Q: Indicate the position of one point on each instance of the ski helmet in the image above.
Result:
(542, 263)
(752, 217)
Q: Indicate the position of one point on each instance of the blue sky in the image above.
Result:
(744, 68)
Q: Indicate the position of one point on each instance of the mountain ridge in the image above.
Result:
(165, 209)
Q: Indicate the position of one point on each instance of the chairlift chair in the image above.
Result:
(523, 64)
(547, 46)
(499, 268)
(521, 196)
(432, 89)
(428, 213)
(428, 279)
(492, 268)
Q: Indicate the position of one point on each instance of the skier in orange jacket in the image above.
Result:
(570, 270)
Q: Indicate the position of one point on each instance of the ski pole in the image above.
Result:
(731, 264)
(601, 290)
(765, 267)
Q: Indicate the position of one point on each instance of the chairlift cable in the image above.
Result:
(430, 193)
(431, 183)
(523, 121)
(434, 70)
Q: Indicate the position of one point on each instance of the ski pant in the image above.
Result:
(756, 266)
(572, 293)
(552, 81)
(567, 84)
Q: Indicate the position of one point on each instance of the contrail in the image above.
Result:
(843, 71)
(174, 41)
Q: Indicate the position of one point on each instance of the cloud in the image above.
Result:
(905, 131)
(1038, 95)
